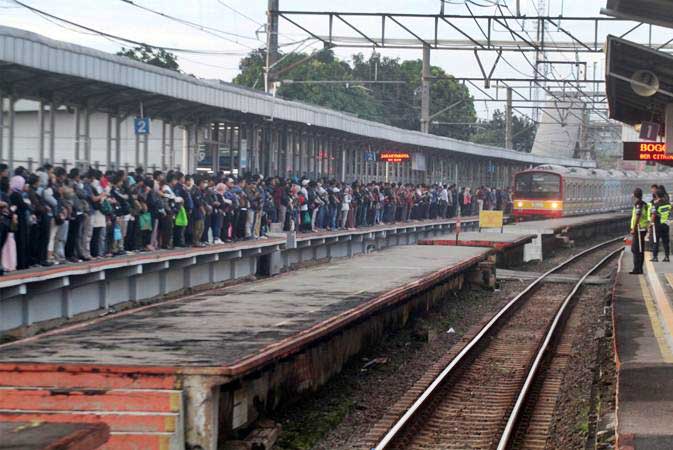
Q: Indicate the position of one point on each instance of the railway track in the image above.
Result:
(478, 400)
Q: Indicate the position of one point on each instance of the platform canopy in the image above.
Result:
(656, 12)
(38, 68)
(624, 59)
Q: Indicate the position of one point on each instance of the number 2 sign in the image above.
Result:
(141, 125)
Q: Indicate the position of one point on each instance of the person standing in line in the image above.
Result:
(639, 223)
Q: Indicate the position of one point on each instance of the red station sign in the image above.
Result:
(647, 151)
(394, 157)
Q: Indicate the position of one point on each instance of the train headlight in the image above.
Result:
(554, 205)
(519, 204)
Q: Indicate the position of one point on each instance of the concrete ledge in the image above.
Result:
(39, 299)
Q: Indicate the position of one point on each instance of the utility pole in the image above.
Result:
(425, 91)
(271, 45)
(508, 120)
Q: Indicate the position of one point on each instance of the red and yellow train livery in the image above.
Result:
(555, 191)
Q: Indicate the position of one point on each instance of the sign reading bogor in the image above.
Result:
(646, 151)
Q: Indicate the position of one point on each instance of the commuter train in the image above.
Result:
(555, 191)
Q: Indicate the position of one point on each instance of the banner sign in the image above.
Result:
(490, 219)
(646, 151)
(394, 157)
(418, 162)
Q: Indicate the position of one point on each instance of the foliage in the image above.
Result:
(492, 132)
(393, 104)
(153, 56)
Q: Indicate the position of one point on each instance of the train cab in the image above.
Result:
(538, 193)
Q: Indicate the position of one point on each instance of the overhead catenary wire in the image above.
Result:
(120, 38)
(206, 29)
(535, 69)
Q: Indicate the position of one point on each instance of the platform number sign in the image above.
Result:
(141, 125)
(649, 131)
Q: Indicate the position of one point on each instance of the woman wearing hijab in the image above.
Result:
(19, 203)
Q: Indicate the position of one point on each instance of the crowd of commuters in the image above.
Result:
(53, 216)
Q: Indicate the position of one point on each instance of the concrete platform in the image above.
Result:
(45, 298)
(509, 247)
(551, 226)
(643, 322)
(179, 372)
(52, 436)
(547, 232)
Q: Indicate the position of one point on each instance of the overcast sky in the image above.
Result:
(243, 19)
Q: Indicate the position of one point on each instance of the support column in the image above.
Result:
(271, 45)
(10, 132)
(342, 156)
(202, 404)
(87, 137)
(2, 125)
(669, 125)
(508, 120)
(230, 140)
(78, 118)
(137, 149)
(215, 145)
(118, 140)
(40, 122)
(163, 145)
(425, 90)
(146, 150)
(108, 142)
(171, 145)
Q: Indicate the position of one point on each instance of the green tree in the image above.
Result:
(492, 132)
(393, 104)
(323, 66)
(153, 56)
(402, 102)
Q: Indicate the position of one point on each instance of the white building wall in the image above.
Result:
(554, 139)
(27, 138)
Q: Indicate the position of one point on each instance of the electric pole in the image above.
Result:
(425, 91)
(271, 45)
(508, 120)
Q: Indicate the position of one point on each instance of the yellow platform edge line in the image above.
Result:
(658, 330)
(669, 278)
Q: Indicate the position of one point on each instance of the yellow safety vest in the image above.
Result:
(644, 220)
(664, 211)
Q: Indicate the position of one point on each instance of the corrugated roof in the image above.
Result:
(55, 58)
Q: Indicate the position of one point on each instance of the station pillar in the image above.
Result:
(669, 126)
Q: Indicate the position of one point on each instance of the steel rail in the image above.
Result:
(514, 415)
(450, 368)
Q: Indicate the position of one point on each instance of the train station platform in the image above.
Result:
(552, 233)
(44, 298)
(174, 374)
(509, 247)
(643, 323)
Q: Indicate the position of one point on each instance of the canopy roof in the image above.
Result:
(624, 58)
(656, 12)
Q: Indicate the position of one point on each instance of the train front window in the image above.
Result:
(537, 185)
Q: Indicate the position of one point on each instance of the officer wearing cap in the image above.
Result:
(659, 214)
(639, 223)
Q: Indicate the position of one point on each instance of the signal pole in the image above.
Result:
(271, 45)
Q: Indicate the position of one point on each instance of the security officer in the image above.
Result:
(639, 223)
(659, 214)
